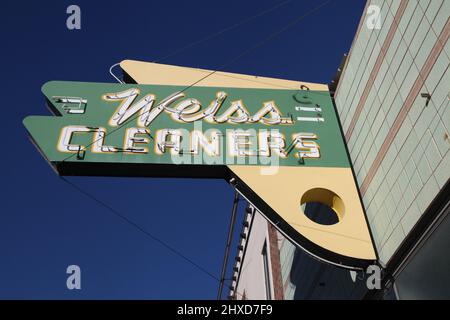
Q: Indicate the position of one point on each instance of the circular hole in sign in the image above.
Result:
(322, 206)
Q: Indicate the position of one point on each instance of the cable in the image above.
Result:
(147, 233)
(227, 247)
(220, 32)
(112, 74)
(280, 31)
(127, 220)
(270, 37)
(209, 37)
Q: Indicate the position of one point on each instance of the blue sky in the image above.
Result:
(45, 225)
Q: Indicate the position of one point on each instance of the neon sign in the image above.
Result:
(280, 148)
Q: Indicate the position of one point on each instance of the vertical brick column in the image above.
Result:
(275, 263)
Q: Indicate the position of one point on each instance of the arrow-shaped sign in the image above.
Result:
(281, 148)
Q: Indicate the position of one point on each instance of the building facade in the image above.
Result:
(392, 95)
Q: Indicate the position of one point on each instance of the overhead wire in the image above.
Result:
(209, 37)
(222, 31)
(270, 37)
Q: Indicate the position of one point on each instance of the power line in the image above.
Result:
(152, 236)
(209, 37)
(220, 32)
(118, 214)
(270, 37)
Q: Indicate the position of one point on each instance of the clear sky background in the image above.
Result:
(45, 225)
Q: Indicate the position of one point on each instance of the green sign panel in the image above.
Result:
(161, 124)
